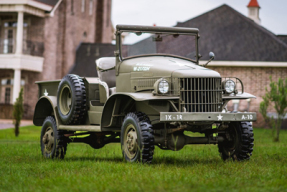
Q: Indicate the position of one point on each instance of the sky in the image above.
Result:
(273, 13)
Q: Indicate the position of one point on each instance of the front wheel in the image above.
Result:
(137, 138)
(238, 143)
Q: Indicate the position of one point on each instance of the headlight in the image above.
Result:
(163, 87)
(229, 86)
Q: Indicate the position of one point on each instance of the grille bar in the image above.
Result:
(201, 94)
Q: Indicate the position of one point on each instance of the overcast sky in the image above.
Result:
(273, 13)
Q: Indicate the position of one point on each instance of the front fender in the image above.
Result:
(112, 106)
(145, 96)
(238, 96)
(45, 107)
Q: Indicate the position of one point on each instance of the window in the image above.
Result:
(83, 5)
(91, 7)
(6, 90)
(72, 7)
(8, 31)
(7, 81)
(108, 14)
(7, 95)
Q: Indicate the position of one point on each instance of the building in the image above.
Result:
(243, 49)
(38, 41)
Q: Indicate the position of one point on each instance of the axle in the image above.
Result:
(176, 142)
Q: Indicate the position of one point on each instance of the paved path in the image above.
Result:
(8, 123)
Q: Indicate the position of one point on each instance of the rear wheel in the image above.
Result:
(53, 144)
(238, 143)
(137, 138)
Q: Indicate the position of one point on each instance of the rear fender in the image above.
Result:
(45, 107)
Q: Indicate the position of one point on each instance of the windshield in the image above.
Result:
(183, 45)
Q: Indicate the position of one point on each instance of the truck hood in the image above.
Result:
(164, 66)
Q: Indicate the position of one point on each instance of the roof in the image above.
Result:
(283, 38)
(234, 37)
(229, 34)
(48, 2)
(87, 54)
(253, 3)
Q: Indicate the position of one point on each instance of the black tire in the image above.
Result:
(238, 143)
(53, 143)
(139, 146)
(71, 100)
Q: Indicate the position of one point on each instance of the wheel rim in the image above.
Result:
(65, 100)
(48, 140)
(130, 141)
(232, 142)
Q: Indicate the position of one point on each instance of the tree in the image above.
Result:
(277, 95)
(18, 112)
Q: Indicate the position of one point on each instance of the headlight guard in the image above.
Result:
(232, 85)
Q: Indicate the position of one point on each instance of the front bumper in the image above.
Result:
(206, 117)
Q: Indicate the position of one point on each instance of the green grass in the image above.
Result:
(194, 168)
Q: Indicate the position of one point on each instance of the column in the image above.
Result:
(19, 40)
(17, 84)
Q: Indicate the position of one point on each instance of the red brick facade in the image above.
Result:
(254, 79)
(60, 35)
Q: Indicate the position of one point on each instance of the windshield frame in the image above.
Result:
(153, 30)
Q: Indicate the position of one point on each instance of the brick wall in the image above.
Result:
(35, 30)
(62, 34)
(30, 94)
(254, 79)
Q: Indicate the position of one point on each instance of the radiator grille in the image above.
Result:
(201, 94)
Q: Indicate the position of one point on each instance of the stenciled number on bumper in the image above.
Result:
(173, 117)
(247, 117)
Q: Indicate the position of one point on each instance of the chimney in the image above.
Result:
(253, 11)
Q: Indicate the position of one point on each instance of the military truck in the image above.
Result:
(152, 93)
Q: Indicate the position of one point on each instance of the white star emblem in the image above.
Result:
(46, 93)
(219, 117)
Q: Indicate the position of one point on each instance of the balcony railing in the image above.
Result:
(34, 48)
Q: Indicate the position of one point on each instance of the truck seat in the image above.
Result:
(106, 70)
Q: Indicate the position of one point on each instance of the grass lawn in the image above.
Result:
(194, 168)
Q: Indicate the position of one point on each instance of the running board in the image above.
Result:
(91, 128)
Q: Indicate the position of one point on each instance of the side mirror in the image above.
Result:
(211, 55)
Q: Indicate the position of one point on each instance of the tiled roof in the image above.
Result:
(229, 34)
(283, 38)
(234, 37)
(87, 54)
(48, 2)
(253, 3)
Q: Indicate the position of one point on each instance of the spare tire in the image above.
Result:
(71, 100)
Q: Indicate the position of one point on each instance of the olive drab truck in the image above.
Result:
(150, 94)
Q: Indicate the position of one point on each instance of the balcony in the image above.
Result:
(21, 40)
(32, 48)
(30, 59)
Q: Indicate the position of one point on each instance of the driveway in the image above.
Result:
(8, 123)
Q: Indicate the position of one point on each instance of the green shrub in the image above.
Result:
(277, 95)
(18, 112)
